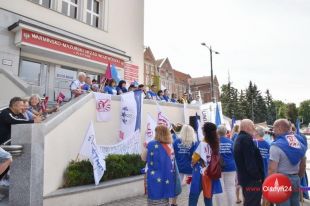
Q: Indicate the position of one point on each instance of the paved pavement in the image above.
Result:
(141, 200)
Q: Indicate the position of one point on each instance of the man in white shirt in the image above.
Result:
(76, 85)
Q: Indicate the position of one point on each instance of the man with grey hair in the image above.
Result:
(228, 168)
(249, 164)
(263, 147)
(287, 156)
(76, 85)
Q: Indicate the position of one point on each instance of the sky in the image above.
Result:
(264, 41)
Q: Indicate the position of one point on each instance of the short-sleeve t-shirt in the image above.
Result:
(76, 84)
(284, 164)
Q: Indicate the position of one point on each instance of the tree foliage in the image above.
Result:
(304, 111)
(249, 103)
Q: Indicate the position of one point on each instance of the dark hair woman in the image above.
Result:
(201, 160)
(111, 87)
(121, 88)
(160, 95)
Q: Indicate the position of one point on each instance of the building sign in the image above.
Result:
(131, 72)
(58, 45)
(65, 74)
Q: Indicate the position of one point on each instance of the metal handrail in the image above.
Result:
(14, 150)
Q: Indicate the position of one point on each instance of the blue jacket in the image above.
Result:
(264, 148)
(110, 90)
(234, 137)
(122, 89)
(166, 98)
(161, 173)
(226, 151)
(152, 95)
(183, 156)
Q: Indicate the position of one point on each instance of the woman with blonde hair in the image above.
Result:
(235, 132)
(161, 168)
(184, 148)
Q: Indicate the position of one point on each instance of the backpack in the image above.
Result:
(214, 169)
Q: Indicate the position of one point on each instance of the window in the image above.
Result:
(45, 3)
(30, 72)
(69, 8)
(92, 13)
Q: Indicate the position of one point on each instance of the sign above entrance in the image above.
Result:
(69, 48)
(131, 72)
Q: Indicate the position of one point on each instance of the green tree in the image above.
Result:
(304, 111)
(271, 108)
(281, 109)
(260, 110)
(229, 99)
(292, 112)
(242, 106)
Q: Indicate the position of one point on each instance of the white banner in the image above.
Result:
(130, 145)
(150, 128)
(208, 112)
(199, 130)
(185, 113)
(90, 149)
(103, 106)
(131, 103)
(162, 119)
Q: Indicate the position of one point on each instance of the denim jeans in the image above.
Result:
(193, 200)
(294, 199)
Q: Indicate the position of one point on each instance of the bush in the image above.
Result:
(117, 166)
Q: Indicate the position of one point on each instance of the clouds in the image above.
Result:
(266, 41)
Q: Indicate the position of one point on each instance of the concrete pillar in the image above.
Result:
(26, 174)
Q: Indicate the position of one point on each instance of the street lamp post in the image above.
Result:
(212, 80)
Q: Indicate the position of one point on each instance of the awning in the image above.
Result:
(38, 38)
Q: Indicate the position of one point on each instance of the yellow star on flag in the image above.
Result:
(153, 173)
(156, 146)
(158, 180)
(167, 181)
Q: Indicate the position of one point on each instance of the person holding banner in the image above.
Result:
(162, 174)
(201, 177)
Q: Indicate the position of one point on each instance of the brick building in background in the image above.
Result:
(203, 84)
(181, 83)
(166, 74)
(150, 67)
(161, 73)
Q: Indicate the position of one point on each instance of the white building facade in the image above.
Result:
(47, 42)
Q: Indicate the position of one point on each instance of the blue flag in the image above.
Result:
(114, 74)
(217, 116)
(196, 125)
(233, 121)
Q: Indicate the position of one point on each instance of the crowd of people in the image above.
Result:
(84, 84)
(223, 163)
(20, 111)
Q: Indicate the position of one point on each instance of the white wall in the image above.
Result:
(9, 89)
(62, 144)
(125, 25)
